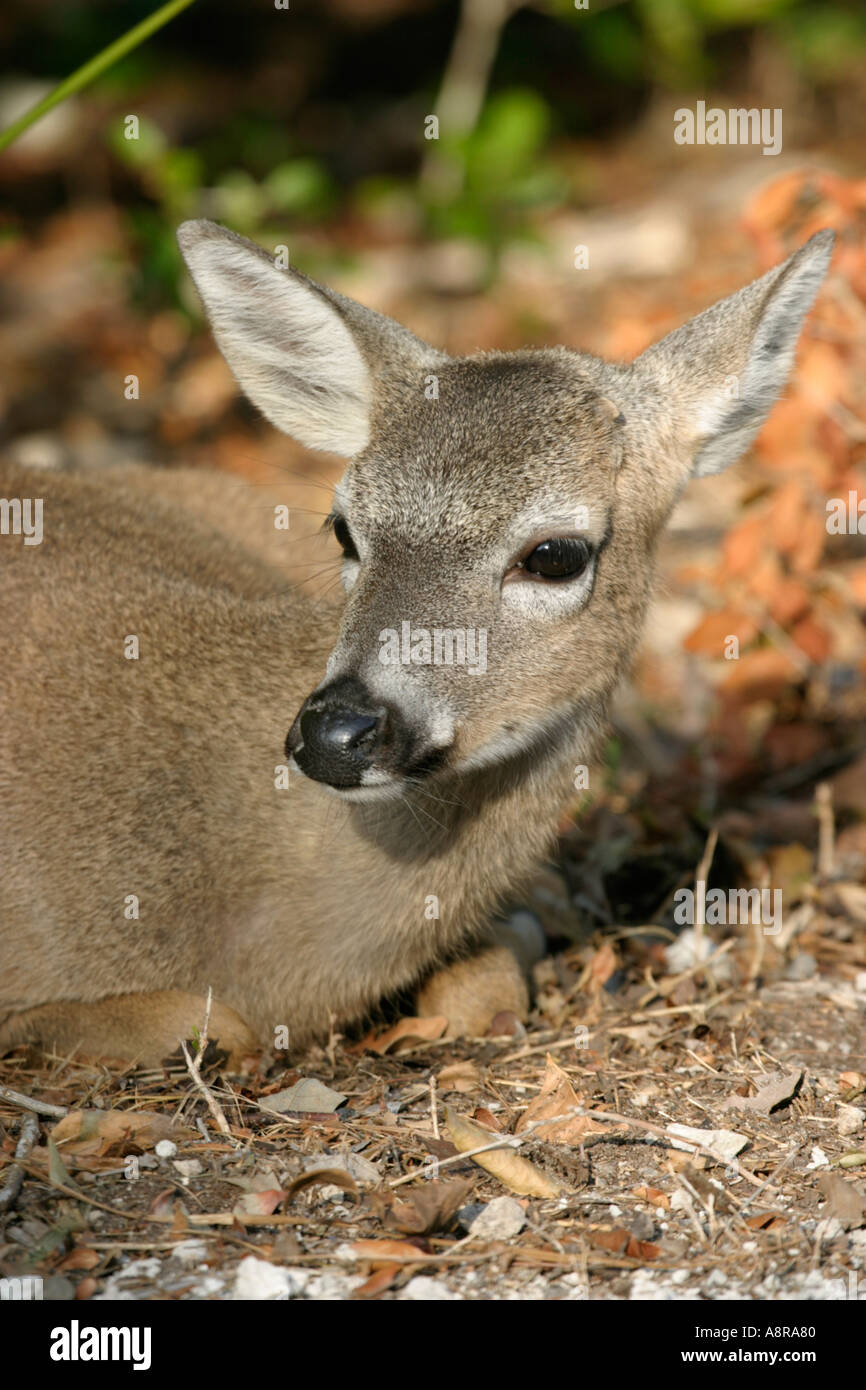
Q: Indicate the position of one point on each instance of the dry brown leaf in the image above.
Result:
(337, 1177)
(429, 1208)
(381, 1253)
(379, 1282)
(259, 1203)
(642, 1249)
(844, 1201)
(95, 1132)
(556, 1097)
(712, 632)
(765, 1221)
(654, 1195)
(487, 1118)
(614, 1241)
(79, 1258)
(765, 672)
(459, 1076)
(603, 964)
(777, 1090)
(407, 1031)
(515, 1172)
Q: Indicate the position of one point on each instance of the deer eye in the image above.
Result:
(563, 557)
(344, 538)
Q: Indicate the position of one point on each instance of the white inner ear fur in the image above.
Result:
(291, 352)
(726, 426)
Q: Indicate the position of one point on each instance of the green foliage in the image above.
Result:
(495, 175)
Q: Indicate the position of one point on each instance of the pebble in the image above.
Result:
(423, 1289)
(499, 1220)
(165, 1149)
(189, 1167)
(849, 1119)
(258, 1279)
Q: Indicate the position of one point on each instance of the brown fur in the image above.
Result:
(156, 777)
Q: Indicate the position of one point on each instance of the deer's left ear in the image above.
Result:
(723, 370)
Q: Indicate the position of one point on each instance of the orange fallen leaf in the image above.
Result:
(642, 1249)
(762, 673)
(382, 1253)
(407, 1031)
(488, 1119)
(614, 1241)
(259, 1203)
(812, 639)
(79, 1258)
(602, 965)
(712, 632)
(94, 1132)
(379, 1282)
(653, 1195)
(765, 1221)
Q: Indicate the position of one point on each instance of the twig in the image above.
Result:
(15, 1176)
(194, 1069)
(464, 85)
(701, 894)
(826, 829)
(39, 1107)
(767, 1182)
(513, 1141)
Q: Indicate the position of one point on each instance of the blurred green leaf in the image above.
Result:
(299, 186)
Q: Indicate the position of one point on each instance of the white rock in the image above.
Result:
(190, 1252)
(500, 1220)
(258, 1279)
(165, 1149)
(656, 1288)
(332, 1288)
(849, 1119)
(189, 1167)
(119, 1288)
(817, 1159)
(422, 1289)
(725, 1143)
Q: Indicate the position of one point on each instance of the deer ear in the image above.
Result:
(723, 370)
(287, 343)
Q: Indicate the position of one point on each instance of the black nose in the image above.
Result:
(338, 733)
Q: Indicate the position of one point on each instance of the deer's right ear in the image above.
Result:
(284, 339)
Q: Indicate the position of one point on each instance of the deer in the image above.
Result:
(299, 805)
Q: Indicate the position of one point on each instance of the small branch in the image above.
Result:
(826, 829)
(39, 1107)
(513, 1141)
(15, 1176)
(464, 85)
(194, 1069)
(701, 895)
